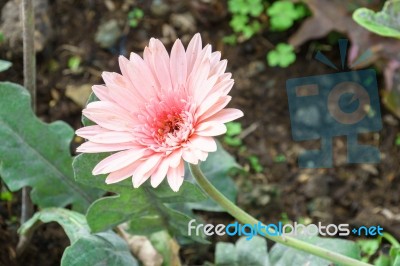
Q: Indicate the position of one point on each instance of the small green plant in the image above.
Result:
(255, 163)
(6, 196)
(280, 158)
(1, 37)
(246, 7)
(135, 16)
(233, 129)
(283, 14)
(370, 247)
(283, 55)
(74, 64)
(230, 39)
(244, 20)
(285, 218)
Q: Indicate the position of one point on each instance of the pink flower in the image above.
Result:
(163, 110)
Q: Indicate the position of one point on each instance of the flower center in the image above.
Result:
(166, 124)
(170, 125)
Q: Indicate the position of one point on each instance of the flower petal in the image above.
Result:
(121, 174)
(102, 93)
(118, 161)
(91, 147)
(109, 115)
(189, 156)
(192, 51)
(142, 77)
(225, 115)
(212, 105)
(174, 158)
(207, 144)
(160, 63)
(112, 137)
(175, 176)
(212, 130)
(160, 173)
(141, 173)
(178, 65)
(90, 131)
(121, 91)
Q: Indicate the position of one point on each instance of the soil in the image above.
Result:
(363, 194)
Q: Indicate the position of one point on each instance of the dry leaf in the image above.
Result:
(79, 94)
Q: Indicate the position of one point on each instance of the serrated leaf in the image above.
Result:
(385, 23)
(73, 223)
(134, 204)
(245, 252)
(36, 154)
(105, 248)
(281, 255)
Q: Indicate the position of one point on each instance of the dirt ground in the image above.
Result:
(355, 194)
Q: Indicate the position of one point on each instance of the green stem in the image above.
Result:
(246, 218)
(391, 239)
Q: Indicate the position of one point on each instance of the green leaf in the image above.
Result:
(6, 195)
(233, 128)
(238, 22)
(369, 247)
(280, 158)
(385, 22)
(138, 205)
(73, 223)
(255, 163)
(36, 154)
(235, 6)
(4, 65)
(395, 255)
(232, 141)
(245, 252)
(74, 63)
(282, 56)
(99, 249)
(255, 7)
(225, 254)
(230, 39)
(216, 169)
(280, 23)
(281, 255)
(283, 14)
(382, 260)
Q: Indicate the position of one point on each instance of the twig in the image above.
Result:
(28, 30)
(248, 130)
